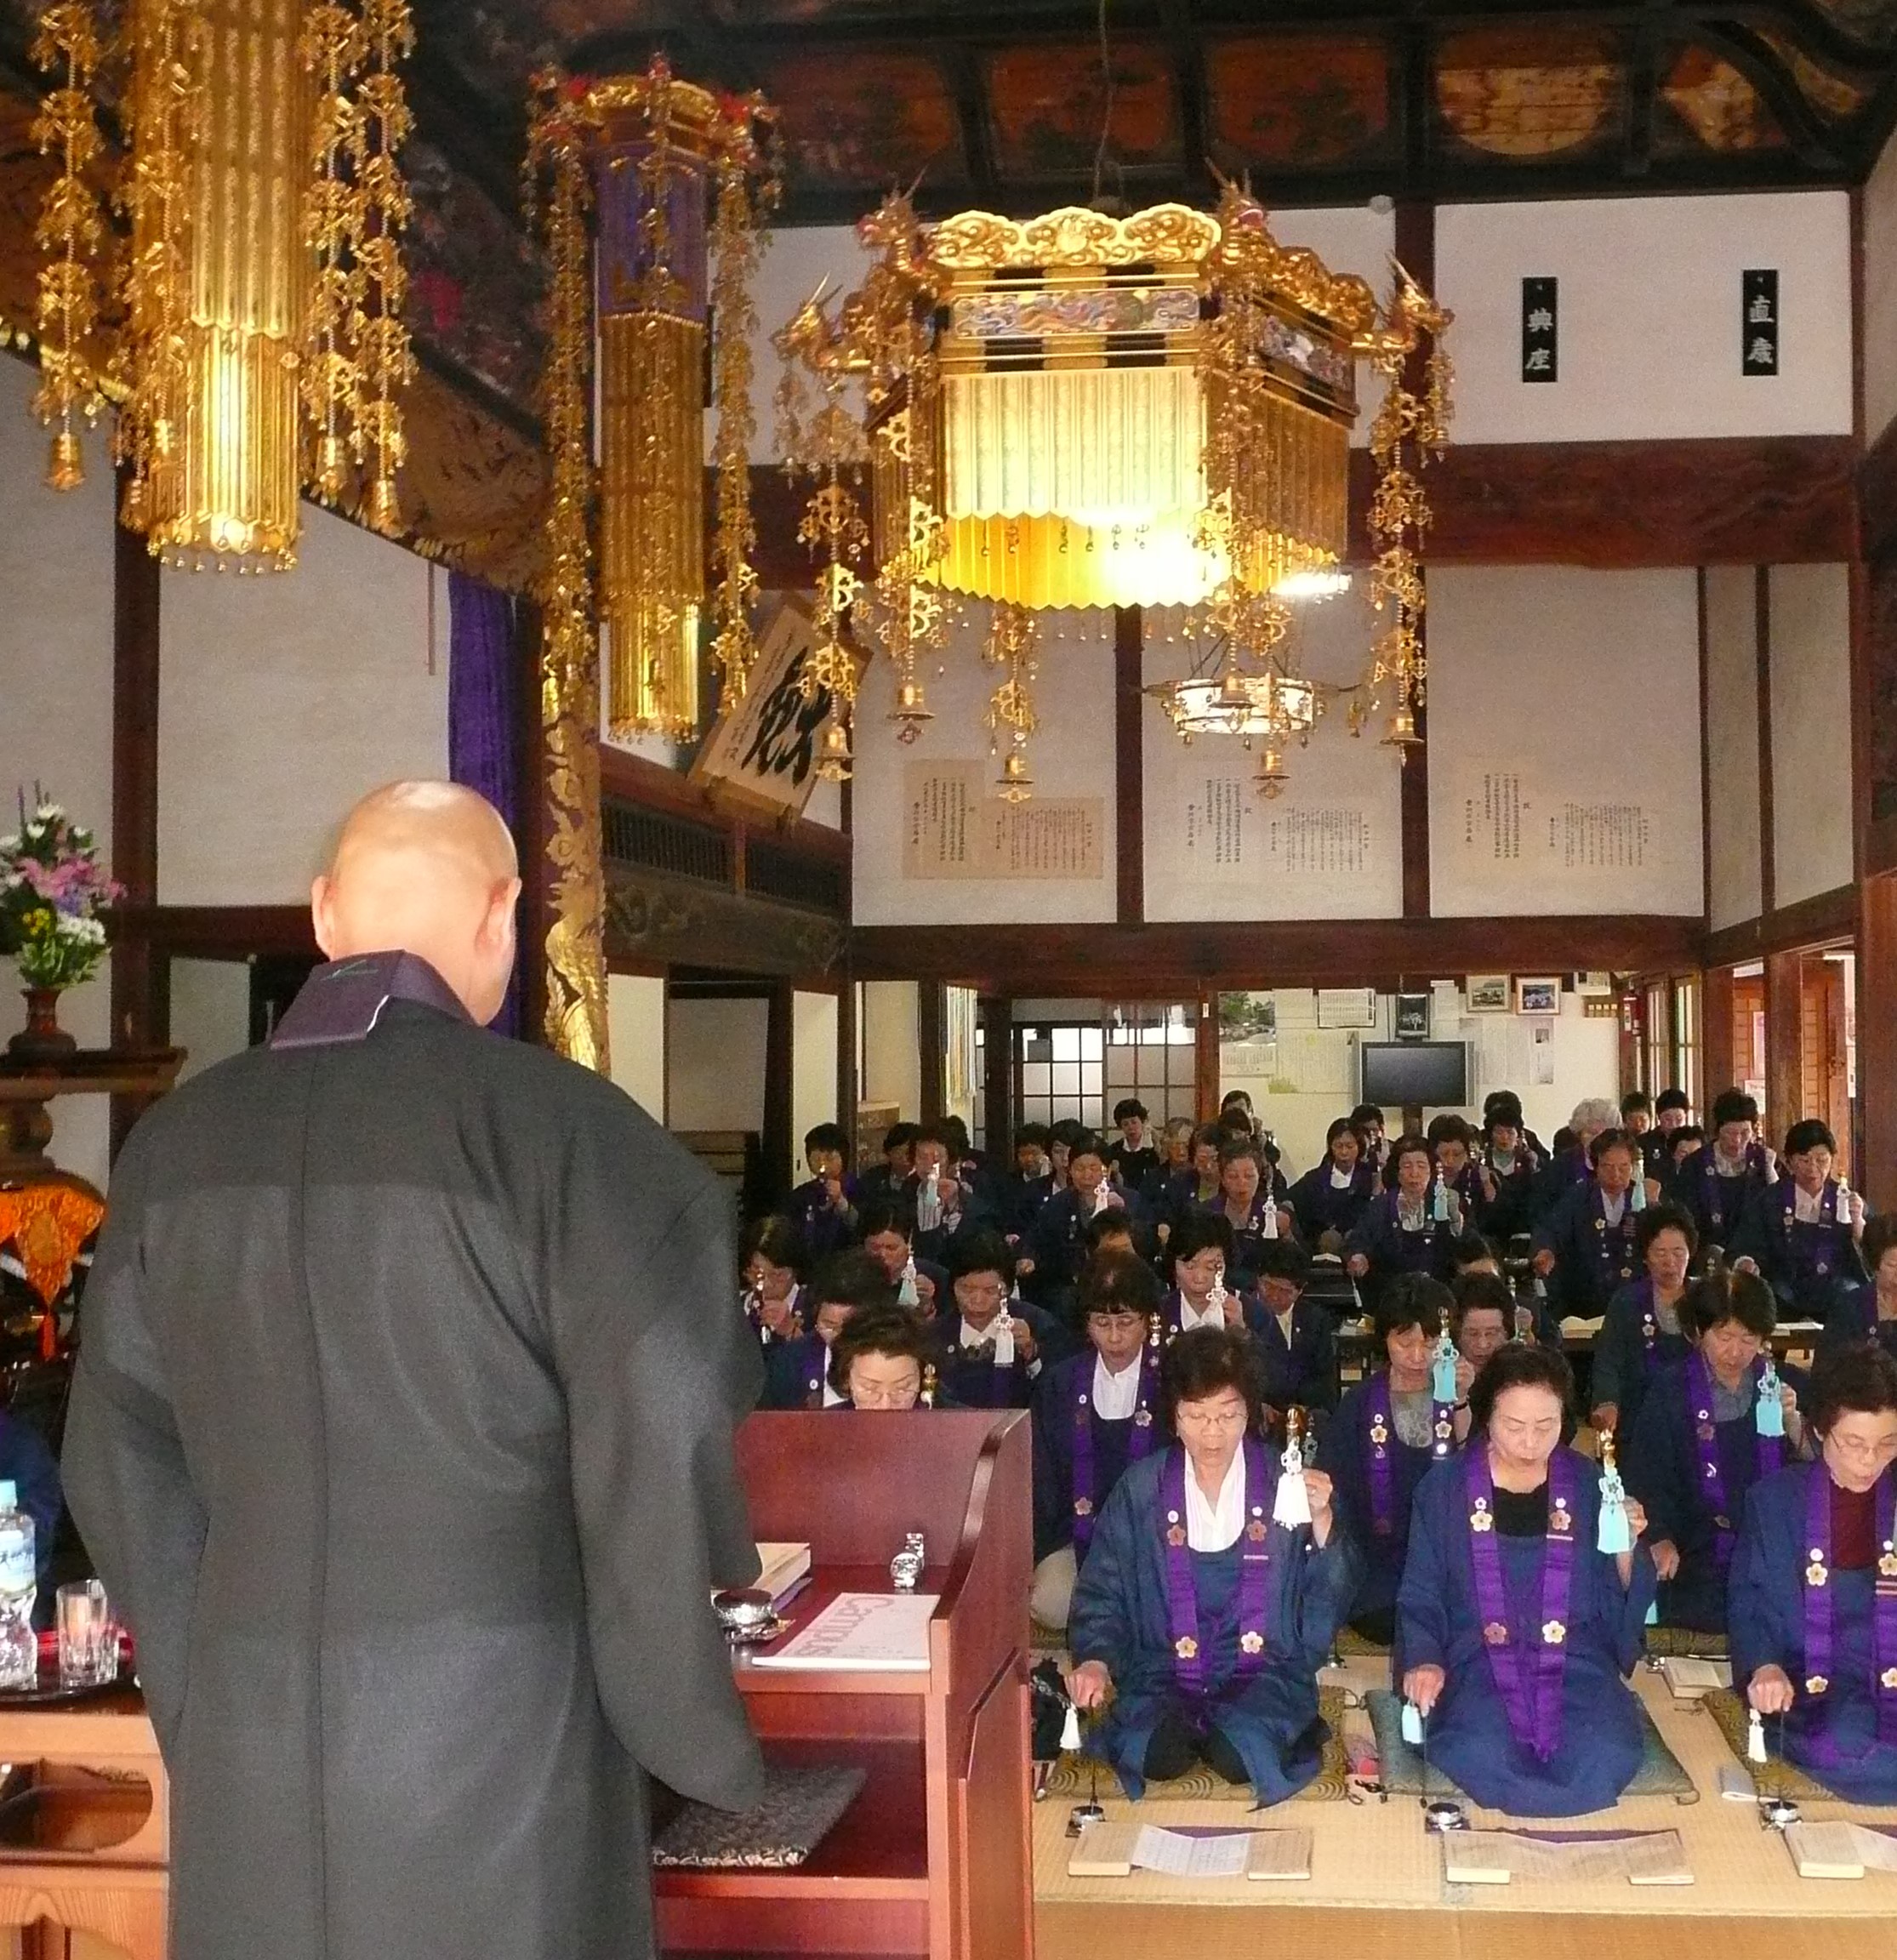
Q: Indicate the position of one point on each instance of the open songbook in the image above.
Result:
(1117, 1849)
(1688, 1680)
(1840, 1849)
(1495, 1857)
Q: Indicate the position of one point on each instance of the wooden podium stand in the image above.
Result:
(934, 1856)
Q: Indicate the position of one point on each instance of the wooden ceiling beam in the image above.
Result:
(963, 67)
(1187, 47)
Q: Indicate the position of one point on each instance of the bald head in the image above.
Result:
(428, 869)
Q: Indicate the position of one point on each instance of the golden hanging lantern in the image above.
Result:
(1083, 411)
(263, 286)
(681, 181)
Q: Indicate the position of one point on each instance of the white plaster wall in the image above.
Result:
(1733, 843)
(56, 697)
(1072, 756)
(1338, 772)
(210, 1011)
(1587, 684)
(1811, 730)
(635, 1025)
(1649, 316)
(283, 699)
(714, 1064)
(891, 1046)
(1878, 206)
(1586, 1056)
(814, 1023)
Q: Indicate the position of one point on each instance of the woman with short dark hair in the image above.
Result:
(1709, 1429)
(1202, 1257)
(1386, 1433)
(1813, 1587)
(1643, 1329)
(1584, 1248)
(1199, 1618)
(770, 1255)
(1412, 1227)
(1329, 1199)
(995, 1347)
(1518, 1633)
(885, 1359)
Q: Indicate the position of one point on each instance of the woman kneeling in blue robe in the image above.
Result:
(1198, 1616)
(1709, 1428)
(1518, 1633)
(1814, 1588)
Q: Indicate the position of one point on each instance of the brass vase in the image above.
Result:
(41, 1043)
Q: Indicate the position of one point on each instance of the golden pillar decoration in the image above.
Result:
(675, 164)
(559, 194)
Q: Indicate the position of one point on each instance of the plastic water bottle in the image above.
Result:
(19, 1584)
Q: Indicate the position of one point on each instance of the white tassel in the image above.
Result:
(906, 1294)
(1291, 1507)
(1070, 1731)
(1755, 1737)
(1003, 1340)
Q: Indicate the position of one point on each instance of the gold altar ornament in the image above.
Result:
(680, 182)
(1085, 411)
(259, 343)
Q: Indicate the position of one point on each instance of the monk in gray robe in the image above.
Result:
(402, 1438)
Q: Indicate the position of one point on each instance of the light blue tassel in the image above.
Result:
(1615, 1535)
(1443, 1378)
(1769, 1412)
(1412, 1726)
(1439, 1208)
(1637, 1196)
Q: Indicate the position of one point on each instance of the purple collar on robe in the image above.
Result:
(1820, 1613)
(1188, 1659)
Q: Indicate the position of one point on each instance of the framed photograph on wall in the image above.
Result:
(1487, 993)
(1412, 1017)
(1538, 996)
(1347, 1007)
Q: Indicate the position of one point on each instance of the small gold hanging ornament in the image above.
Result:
(835, 762)
(1271, 778)
(912, 713)
(71, 234)
(1012, 642)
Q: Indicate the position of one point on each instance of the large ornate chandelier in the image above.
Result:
(678, 181)
(257, 338)
(1090, 411)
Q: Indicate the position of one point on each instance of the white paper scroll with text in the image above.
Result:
(935, 845)
(1563, 742)
(1330, 848)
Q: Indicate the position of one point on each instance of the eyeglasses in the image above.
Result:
(1115, 1323)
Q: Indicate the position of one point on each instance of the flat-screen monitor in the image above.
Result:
(1429, 1075)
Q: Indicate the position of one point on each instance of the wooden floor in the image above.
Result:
(1376, 1886)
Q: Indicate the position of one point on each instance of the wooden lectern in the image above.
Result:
(933, 1857)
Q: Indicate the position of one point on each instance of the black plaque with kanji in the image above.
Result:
(1758, 328)
(1541, 336)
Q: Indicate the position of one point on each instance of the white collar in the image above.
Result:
(1115, 1396)
(831, 1398)
(1808, 1210)
(1213, 1527)
(1342, 1180)
(1612, 1208)
(967, 1336)
(1190, 1317)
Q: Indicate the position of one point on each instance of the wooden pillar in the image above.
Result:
(848, 1091)
(1718, 1064)
(998, 1079)
(1877, 1040)
(1206, 1078)
(932, 1041)
(141, 974)
(530, 839)
(779, 1068)
(1130, 763)
(1784, 1043)
(1416, 246)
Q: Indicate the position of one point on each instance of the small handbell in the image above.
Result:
(331, 472)
(1402, 731)
(1155, 1332)
(836, 763)
(912, 713)
(385, 511)
(1291, 1506)
(928, 1396)
(67, 469)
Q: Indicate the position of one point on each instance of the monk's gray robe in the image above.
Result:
(402, 1440)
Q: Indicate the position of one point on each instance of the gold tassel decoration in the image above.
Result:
(1013, 644)
(575, 1019)
(71, 234)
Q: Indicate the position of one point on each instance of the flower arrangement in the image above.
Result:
(52, 891)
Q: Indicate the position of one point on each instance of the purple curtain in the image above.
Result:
(484, 722)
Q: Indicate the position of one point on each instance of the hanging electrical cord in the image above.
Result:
(1106, 116)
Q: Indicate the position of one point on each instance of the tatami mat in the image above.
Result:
(1376, 1856)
